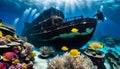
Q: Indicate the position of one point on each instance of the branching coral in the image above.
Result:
(69, 62)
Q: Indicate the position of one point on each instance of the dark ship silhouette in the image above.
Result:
(51, 29)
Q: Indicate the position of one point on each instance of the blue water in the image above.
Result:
(17, 12)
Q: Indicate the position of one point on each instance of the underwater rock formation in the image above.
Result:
(114, 59)
(15, 53)
(67, 61)
(110, 41)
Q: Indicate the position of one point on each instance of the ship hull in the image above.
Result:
(61, 35)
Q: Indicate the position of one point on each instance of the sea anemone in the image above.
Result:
(66, 61)
(46, 51)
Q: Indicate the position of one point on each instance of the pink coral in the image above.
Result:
(3, 41)
(18, 66)
(2, 65)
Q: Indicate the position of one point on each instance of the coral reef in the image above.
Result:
(14, 52)
(114, 59)
(67, 61)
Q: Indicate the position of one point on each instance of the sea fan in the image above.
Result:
(69, 62)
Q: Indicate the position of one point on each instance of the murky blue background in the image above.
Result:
(17, 12)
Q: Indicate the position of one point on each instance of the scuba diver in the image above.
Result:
(99, 15)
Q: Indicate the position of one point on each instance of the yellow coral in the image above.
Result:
(64, 48)
(15, 61)
(19, 47)
(1, 34)
(8, 37)
(95, 45)
(74, 30)
(74, 52)
(24, 66)
(15, 36)
(0, 24)
(32, 54)
(24, 38)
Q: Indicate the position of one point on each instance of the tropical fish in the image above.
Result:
(74, 30)
(1, 34)
(95, 45)
(74, 52)
(64, 48)
(8, 56)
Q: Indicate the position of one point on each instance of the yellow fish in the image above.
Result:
(64, 48)
(74, 30)
(95, 45)
(74, 52)
(1, 34)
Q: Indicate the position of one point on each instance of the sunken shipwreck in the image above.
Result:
(51, 28)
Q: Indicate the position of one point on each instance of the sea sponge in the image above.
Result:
(66, 61)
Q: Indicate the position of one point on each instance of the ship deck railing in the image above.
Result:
(67, 20)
